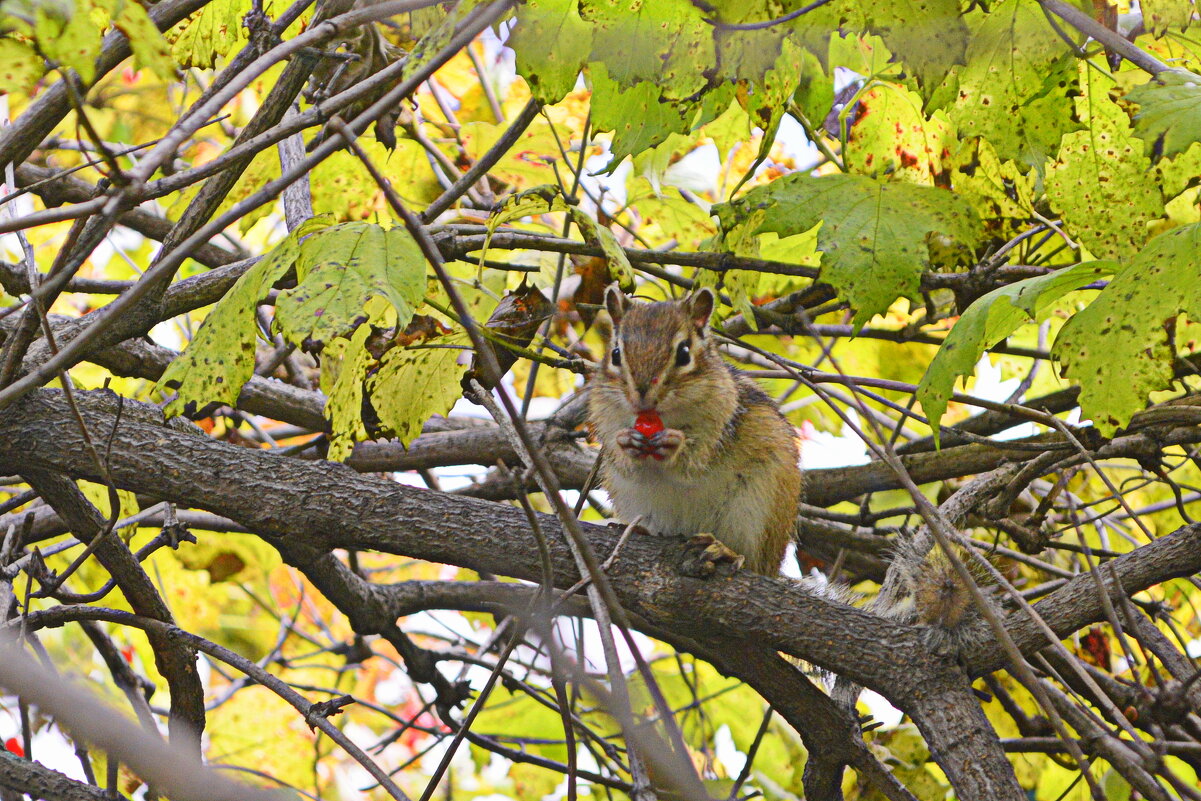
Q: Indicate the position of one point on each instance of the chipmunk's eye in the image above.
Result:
(683, 354)
(615, 357)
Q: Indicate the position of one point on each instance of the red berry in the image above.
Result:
(648, 424)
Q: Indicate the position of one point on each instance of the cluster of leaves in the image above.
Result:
(989, 104)
(69, 36)
(1043, 134)
(350, 280)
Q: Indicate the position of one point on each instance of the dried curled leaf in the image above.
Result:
(515, 319)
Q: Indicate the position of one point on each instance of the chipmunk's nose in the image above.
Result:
(644, 388)
(642, 402)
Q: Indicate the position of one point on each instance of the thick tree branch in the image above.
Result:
(1077, 604)
(322, 506)
(328, 505)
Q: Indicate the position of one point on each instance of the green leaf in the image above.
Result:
(150, 49)
(437, 36)
(1169, 113)
(1015, 89)
(769, 103)
(1177, 175)
(662, 42)
(409, 171)
(264, 167)
(20, 67)
(349, 193)
(552, 44)
(344, 409)
(1161, 16)
(339, 270)
(257, 727)
(537, 200)
(814, 95)
(927, 36)
(728, 129)
(1117, 348)
(861, 53)
(989, 320)
(875, 235)
(73, 41)
(412, 384)
(746, 54)
(212, 32)
(636, 116)
(619, 263)
(1103, 168)
(997, 190)
(520, 714)
(220, 358)
(527, 163)
(667, 215)
(746, 241)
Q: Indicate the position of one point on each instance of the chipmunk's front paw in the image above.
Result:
(663, 445)
(704, 553)
(632, 442)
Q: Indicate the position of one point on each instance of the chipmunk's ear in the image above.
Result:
(699, 307)
(616, 302)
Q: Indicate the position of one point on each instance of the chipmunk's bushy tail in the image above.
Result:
(922, 588)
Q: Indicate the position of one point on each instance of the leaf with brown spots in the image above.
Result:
(1117, 347)
(1169, 112)
(662, 42)
(1100, 169)
(20, 66)
(635, 115)
(1016, 88)
(342, 268)
(552, 44)
(220, 357)
(415, 383)
(212, 32)
(928, 36)
(68, 37)
(891, 136)
(150, 49)
(344, 409)
(1162, 16)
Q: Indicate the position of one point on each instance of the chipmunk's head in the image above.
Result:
(659, 353)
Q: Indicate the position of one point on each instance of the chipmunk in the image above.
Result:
(693, 447)
(688, 443)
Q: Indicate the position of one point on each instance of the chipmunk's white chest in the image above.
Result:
(730, 505)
